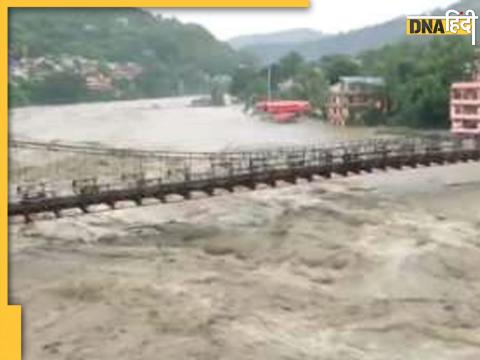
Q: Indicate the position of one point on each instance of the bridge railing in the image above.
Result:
(254, 164)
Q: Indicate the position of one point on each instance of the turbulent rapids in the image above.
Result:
(378, 266)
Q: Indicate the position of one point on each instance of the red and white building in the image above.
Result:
(465, 105)
(352, 96)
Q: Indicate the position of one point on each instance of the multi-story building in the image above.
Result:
(128, 71)
(99, 82)
(353, 97)
(465, 104)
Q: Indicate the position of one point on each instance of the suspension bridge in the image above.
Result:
(55, 177)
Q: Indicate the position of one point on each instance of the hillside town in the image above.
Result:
(99, 76)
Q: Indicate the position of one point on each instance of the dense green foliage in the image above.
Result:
(120, 35)
(176, 58)
(418, 78)
(336, 66)
(291, 78)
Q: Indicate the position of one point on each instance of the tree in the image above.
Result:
(17, 95)
(336, 66)
(310, 84)
(419, 77)
(289, 66)
(58, 88)
(248, 82)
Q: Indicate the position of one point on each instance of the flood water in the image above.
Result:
(370, 267)
(169, 124)
(172, 124)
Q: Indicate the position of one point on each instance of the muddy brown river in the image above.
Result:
(169, 124)
(380, 266)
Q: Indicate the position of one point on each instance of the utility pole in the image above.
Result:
(476, 65)
(269, 84)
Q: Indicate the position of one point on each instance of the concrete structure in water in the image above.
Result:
(465, 104)
(354, 98)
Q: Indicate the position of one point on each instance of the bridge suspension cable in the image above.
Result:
(108, 177)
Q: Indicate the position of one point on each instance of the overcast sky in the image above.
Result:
(326, 15)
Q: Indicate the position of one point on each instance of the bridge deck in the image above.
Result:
(267, 167)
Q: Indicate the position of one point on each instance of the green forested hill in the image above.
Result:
(175, 58)
(117, 35)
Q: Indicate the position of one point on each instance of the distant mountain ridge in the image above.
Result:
(277, 37)
(349, 43)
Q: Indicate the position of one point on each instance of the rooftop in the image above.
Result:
(368, 80)
(466, 84)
